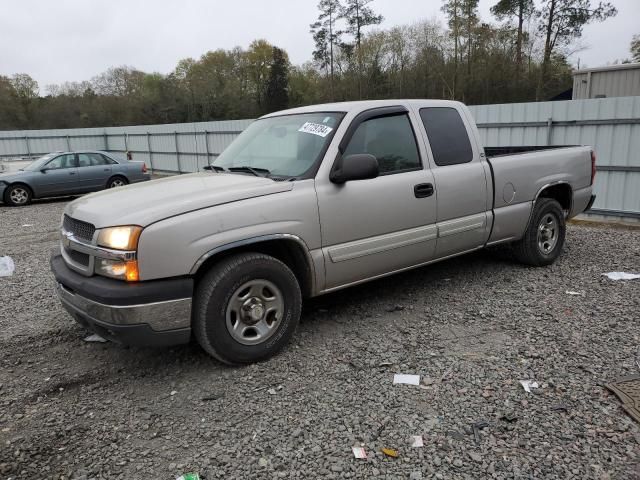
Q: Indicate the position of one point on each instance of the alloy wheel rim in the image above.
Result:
(19, 196)
(548, 232)
(117, 183)
(254, 312)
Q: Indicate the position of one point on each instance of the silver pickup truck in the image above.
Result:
(304, 202)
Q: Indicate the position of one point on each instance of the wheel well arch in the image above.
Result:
(289, 249)
(22, 184)
(560, 191)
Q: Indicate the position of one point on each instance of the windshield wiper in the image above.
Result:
(258, 172)
(215, 168)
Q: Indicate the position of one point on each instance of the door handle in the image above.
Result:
(423, 190)
(106, 170)
(72, 173)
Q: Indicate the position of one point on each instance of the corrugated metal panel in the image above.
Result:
(618, 81)
(616, 145)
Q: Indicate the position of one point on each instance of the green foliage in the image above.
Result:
(278, 84)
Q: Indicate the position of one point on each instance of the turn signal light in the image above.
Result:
(144, 167)
(132, 274)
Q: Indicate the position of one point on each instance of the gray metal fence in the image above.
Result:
(181, 148)
(611, 125)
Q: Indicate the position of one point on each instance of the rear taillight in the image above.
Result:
(593, 166)
(144, 167)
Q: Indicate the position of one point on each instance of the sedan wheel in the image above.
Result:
(117, 182)
(18, 195)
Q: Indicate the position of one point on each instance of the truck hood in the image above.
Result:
(146, 203)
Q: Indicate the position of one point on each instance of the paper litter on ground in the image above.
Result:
(94, 338)
(359, 452)
(572, 292)
(416, 441)
(6, 266)
(528, 385)
(621, 276)
(408, 379)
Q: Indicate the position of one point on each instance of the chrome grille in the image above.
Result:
(78, 228)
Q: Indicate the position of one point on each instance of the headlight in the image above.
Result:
(120, 238)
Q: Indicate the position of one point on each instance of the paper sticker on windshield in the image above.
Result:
(315, 129)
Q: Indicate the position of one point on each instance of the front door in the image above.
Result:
(376, 226)
(58, 177)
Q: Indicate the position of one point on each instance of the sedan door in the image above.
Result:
(59, 176)
(376, 226)
(94, 170)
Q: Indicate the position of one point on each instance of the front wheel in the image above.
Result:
(246, 308)
(544, 238)
(17, 195)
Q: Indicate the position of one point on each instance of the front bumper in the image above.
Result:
(153, 313)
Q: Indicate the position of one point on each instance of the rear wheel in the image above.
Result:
(116, 182)
(246, 308)
(17, 195)
(544, 238)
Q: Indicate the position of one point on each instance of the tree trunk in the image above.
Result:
(519, 40)
(547, 49)
(331, 51)
(359, 52)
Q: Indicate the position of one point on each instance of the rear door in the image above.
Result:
(460, 174)
(59, 176)
(380, 225)
(94, 170)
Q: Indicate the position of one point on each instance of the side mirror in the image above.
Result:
(44, 170)
(359, 166)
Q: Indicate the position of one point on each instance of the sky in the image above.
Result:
(72, 40)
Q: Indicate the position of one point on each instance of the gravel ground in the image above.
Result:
(471, 327)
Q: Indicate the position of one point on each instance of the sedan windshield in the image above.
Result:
(286, 146)
(39, 162)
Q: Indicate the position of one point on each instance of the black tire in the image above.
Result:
(18, 195)
(117, 181)
(544, 238)
(215, 305)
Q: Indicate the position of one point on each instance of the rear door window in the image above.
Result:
(447, 135)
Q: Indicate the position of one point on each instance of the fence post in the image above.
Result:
(150, 152)
(68, 144)
(106, 142)
(549, 130)
(175, 140)
(206, 146)
(26, 140)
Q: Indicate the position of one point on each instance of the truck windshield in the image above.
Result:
(287, 146)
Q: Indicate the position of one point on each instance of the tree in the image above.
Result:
(635, 48)
(358, 15)
(259, 57)
(278, 85)
(563, 21)
(326, 36)
(520, 9)
(452, 9)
